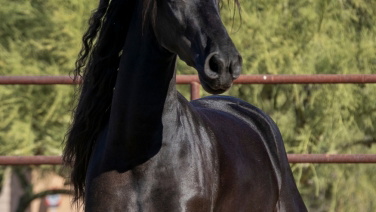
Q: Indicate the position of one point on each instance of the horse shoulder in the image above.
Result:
(248, 144)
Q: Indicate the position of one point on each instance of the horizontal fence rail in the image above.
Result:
(189, 79)
(293, 158)
(194, 82)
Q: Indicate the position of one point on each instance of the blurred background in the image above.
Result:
(43, 37)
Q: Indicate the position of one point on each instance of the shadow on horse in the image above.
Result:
(136, 144)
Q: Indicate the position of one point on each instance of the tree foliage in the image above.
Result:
(39, 37)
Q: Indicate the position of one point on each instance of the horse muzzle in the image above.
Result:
(220, 71)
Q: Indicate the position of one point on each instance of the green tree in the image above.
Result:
(38, 38)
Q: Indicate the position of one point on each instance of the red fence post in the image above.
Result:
(195, 90)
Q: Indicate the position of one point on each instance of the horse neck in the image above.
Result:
(145, 84)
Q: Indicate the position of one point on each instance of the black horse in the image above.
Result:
(137, 145)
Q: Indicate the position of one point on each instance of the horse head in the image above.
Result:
(193, 30)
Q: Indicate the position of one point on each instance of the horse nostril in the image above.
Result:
(214, 65)
(236, 67)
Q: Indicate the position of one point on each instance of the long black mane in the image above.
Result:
(97, 66)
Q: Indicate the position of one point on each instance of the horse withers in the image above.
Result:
(136, 144)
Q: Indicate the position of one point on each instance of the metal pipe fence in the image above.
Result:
(188, 79)
(194, 83)
(293, 158)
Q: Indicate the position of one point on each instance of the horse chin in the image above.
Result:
(216, 90)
